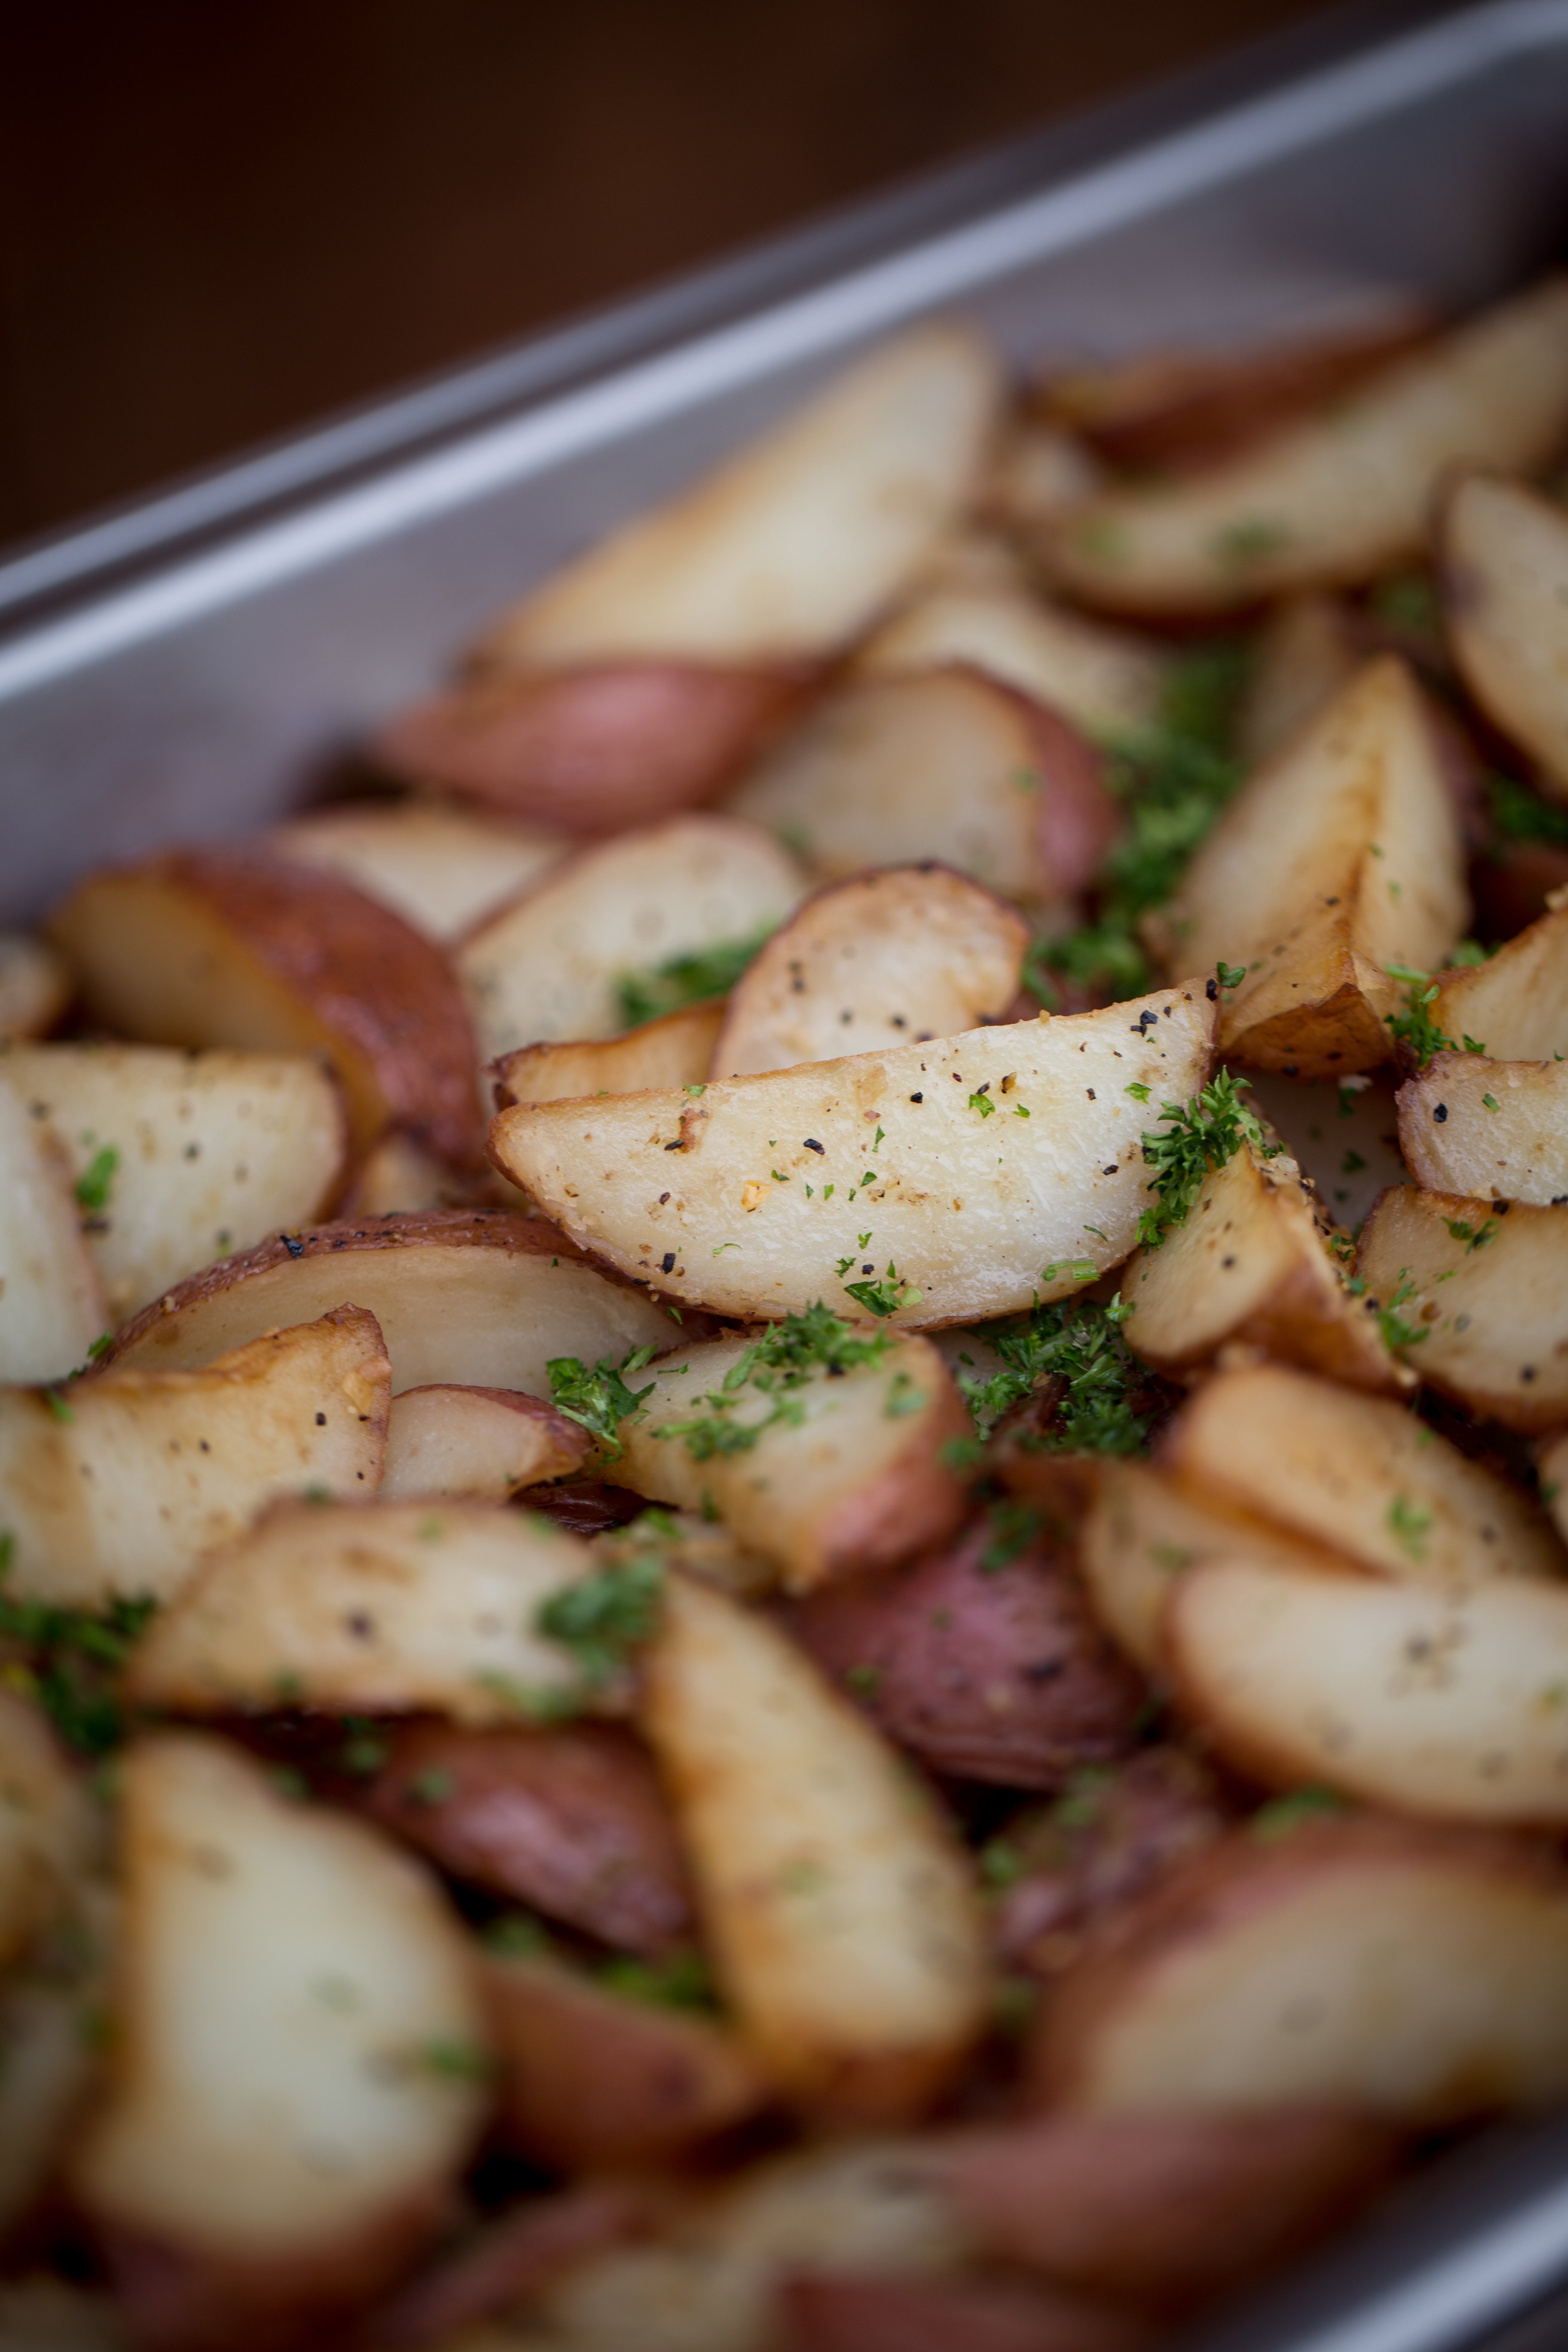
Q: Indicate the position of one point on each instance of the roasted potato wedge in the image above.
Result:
(121, 1488)
(790, 549)
(907, 953)
(992, 1185)
(949, 764)
(474, 1297)
(46, 1827)
(1408, 1970)
(182, 1158)
(1449, 1702)
(1340, 856)
(242, 947)
(1487, 1294)
(593, 2081)
(1493, 1130)
(292, 1985)
(52, 1308)
(441, 868)
(981, 1658)
(386, 1608)
(1502, 552)
(845, 1474)
(1355, 1475)
(1336, 497)
(1304, 654)
(567, 1818)
(1516, 1005)
(555, 964)
(676, 1050)
(1249, 1267)
(841, 1916)
(481, 1442)
(35, 986)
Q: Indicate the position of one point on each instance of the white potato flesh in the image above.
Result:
(1248, 1267)
(890, 958)
(291, 1981)
(551, 965)
(1356, 1475)
(477, 1298)
(677, 1050)
(1409, 1971)
(1450, 1704)
(855, 1483)
(1515, 1006)
(1342, 1133)
(121, 1489)
(1340, 856)
(1488, 1291)
(1495, 1130)
(1339, 496)
(1038, 473)
(1503, 562)
(989, 1170)
(210, 1151)
(1107, 681)
(35, 986)
(51, 1300)
(441, 868)
(379, 1610)
(790, 549)
(45, 1825)
(484, 1442)
(398, 1176)
(842, 1915)
(1301, 657)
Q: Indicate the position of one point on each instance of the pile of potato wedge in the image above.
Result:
(783, 1450)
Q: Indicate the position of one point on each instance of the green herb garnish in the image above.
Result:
(688, 979)
(600, 1400)
(787, 1358)
(1198, 1137)
(1077, 1342)
(1273, 1822)
(682, 1981)
(72, 1661)
(93, 1185)
(608, 1617)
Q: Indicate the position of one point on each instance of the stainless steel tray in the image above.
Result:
(190, 666)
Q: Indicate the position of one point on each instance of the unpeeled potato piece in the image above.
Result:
(1503, 565)
(1487, 1293)
(476, 1297)
(1515, 1006)
(242, 947)
(1302, 655)
(906, 952)
(1403, 1968)
(52, 1308)
(35, 986)
(676, 1050)
(1493, 1130)
(1339, 856)
(482, 1442)
(440, 867)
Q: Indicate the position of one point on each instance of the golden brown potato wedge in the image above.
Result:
(384, 1609)
(182, 1158)
(841, 1916)
(1249, 1266)
(441, 868)
(555, 964)
(1395, 1967)
(35, 986)
(1338, 497)
(52, 1306)
(592, 2081)
(1495, 1130)
(46, 1826)
(120, 1488)
(790, 549)
(989, 1170)
(1303, 656)
(1451, 1702)
(1502, 552)
(480, 1442)
(676, 1050)
(1486, 1291)
(900, 955)
(242, 947)
(478, 1298)
(1514, 1006)
(300, 2055)
(1340, 856)
(1355, 1475)
(845, 1473)
(567, 1818)
(947, 764)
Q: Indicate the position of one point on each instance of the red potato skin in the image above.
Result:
(847, 2312)
(998, 1676)
(917, 1500)
(563, 1444)
(585, 1507)
(525, 2250)
(1076, 819)
(568, 1819)
(593, 2081)
(597, 749)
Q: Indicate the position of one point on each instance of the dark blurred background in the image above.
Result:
(222, 219)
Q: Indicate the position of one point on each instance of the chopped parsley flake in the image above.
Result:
(1408, 1525)
(688, 979)
(600, 1400)
(1271, 1823)
(786, 1359)
(1199, 1138)
(94, 1183)
(1078, 1343)
(69, 1661)
(606, 1618)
